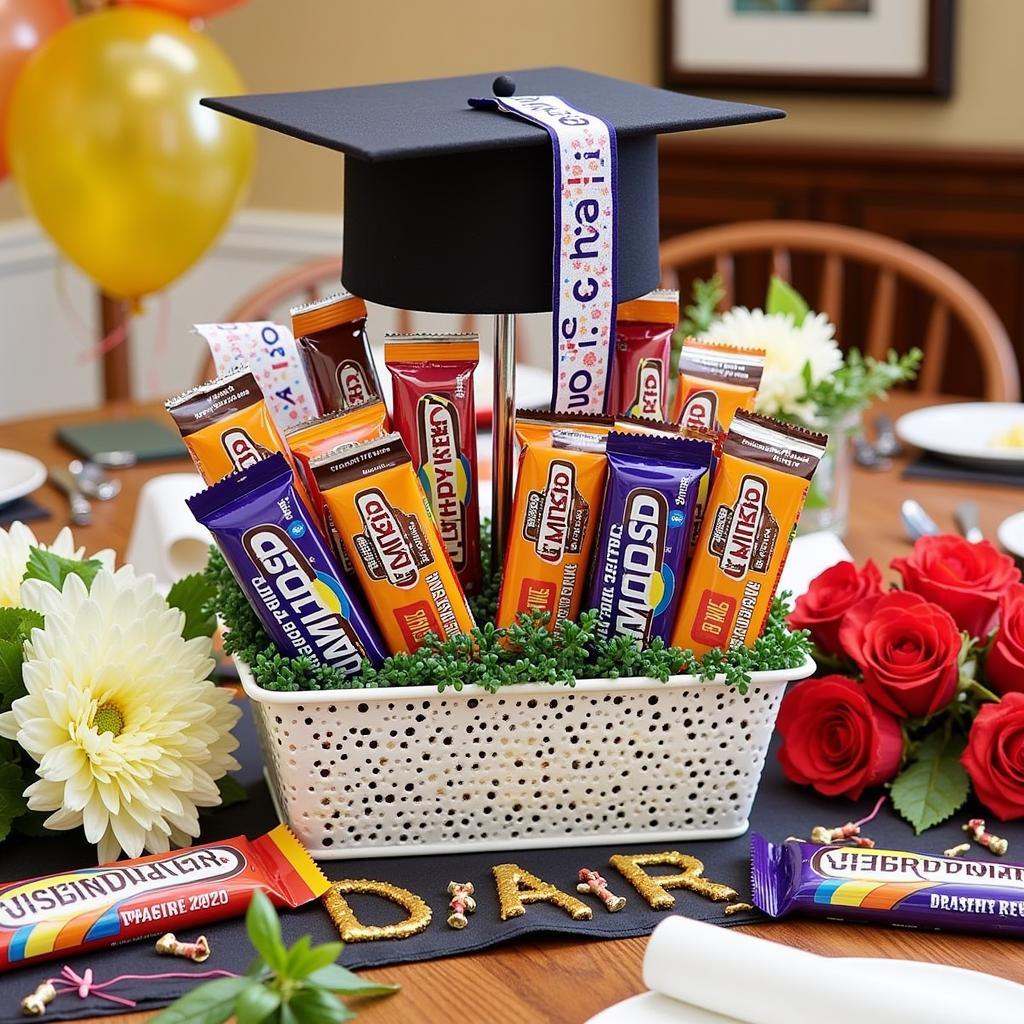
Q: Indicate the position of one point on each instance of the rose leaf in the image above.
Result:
(934, 785)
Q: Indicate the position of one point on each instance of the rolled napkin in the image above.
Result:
(756, 981)
(166, 539)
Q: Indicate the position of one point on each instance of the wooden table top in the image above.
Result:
(554, 980)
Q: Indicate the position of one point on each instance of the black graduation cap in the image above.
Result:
(450, 209)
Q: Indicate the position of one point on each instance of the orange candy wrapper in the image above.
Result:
(714, 382)
(562, 471)
(384, 520)
(755, 503)
(227, 427)
(75, 911)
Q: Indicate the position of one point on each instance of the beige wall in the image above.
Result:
(304, 44)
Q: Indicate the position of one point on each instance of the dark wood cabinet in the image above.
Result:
(966, 207)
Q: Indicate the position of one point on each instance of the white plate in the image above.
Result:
(1011, 534)
(965, 432)
(20, 474)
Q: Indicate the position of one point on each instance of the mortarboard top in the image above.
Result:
(450, 209)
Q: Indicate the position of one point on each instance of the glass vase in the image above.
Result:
(828, 497)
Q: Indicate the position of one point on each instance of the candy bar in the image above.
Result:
(646, 521)
(434, 412)
(384, 521)
(714, 382)
(75, 911)
(554, 522)
(907, 890)
(282, 563)
(759, 489)
(643, 348)
(331, 338)
(268, 349)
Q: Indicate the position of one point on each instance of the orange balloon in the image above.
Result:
(24, 26)
(185, 8)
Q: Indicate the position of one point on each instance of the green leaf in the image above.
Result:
(784, 298)
(231, 791)
(55, 569)
(193, 596)
(210, 1003)
(303, 961)
(12, 685)
(934, 785)
(317, 1006)
(340, 979)
(12, 802)
(256, 1004)
(18, 623)
(264, 928)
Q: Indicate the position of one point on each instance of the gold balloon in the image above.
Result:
(112, 152)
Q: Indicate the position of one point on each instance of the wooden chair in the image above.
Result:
(306, 282)
(951, 295)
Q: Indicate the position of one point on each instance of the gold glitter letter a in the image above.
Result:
(653, 887)
(516, 887)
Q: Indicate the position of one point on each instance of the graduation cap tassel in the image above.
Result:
(503, 426)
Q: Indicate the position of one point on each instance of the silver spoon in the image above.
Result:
(93, 481)
(916, 521)
(966, 517)
(867, 455)
(81, 507)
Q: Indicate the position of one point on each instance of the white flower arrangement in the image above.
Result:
(807, 377)
(105, 690)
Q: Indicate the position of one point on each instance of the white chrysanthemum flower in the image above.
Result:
(15, 547)
(788, 349)
(129, 734)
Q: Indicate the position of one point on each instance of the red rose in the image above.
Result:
(1004, 665)
(828, 599)
(907, 649)
(994, 757)
(835, 739)
(966, 579)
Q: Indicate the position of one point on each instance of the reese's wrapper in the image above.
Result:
(268, 349)
(915, 890)
(434, 412)
(553, 525)
(646, 520)
(384, 521)
(714, 382)
(331, 339)
(226, 426)
(755, 502)
(643, 348)
(89, 908)
(283, 565)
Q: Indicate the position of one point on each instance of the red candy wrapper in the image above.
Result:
(433, 410)
(74, 911)
(643, 349)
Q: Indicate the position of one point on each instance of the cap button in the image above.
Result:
(503, 86)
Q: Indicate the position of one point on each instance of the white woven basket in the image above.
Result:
(407, 770)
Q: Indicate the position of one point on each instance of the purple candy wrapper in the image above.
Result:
(644, 537)
(908, 890)
(284, 567)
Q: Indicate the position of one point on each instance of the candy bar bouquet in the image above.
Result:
(806, 379)
(110, 721)
(925, 686)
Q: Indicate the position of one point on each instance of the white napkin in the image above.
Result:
(166, 539)
(707, 969)
(809, 556)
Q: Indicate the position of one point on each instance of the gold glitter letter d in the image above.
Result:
(349, 925)
(654, 888)
(516, 887)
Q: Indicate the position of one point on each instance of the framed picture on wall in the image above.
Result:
(885, 46)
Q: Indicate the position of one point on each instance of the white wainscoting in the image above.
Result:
(49, 326)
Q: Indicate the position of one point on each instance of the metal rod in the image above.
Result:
(504, 433)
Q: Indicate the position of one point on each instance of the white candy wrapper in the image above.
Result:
(269, 350)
